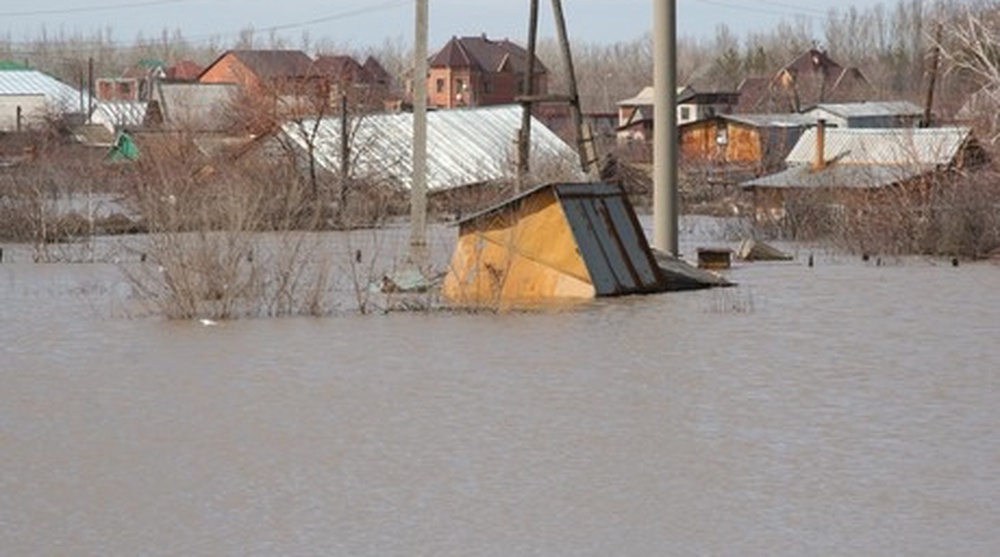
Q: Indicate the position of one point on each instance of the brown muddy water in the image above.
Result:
(843, 409)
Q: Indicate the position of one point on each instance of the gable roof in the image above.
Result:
(466, 146)
(337, 66)
(184, 70)
(870, 109)
(781, 120)
(841, 176)
(813, 61)
(197, 105)
(647, 97)
(868, 158)
(115, 115)
(923, 146)
(35, 83)
(485, 55)
(271, 64)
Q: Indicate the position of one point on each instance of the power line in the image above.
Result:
(758, 10)
(86, 9)
(202, 39)
(798, 9)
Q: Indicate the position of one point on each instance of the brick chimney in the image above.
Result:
(820, 162)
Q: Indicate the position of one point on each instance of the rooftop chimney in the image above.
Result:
(820, 162)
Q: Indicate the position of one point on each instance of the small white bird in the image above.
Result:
(207, 322)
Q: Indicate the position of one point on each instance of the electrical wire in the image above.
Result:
(86, 9)
(202, 39)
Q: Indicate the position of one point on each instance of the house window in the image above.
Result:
(685, 113)
(722, 135)
(487, 85)
(439, 86)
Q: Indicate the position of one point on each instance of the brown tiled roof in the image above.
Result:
(271, 64)
(338, 67)
(814, 61)
(185, 70)
(375, 70)
(484, 55)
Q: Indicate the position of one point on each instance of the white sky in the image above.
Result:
(361, 23)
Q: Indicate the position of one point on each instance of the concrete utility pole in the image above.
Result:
(418, 192)
(665, 198)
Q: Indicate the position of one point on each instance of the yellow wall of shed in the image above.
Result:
(522, 256)
(699, 142)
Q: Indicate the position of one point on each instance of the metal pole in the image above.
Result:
(418, 191)
(665, 199)
(524, 137)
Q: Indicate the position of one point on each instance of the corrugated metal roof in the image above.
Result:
(868, 109)
(118, 114)
(33, 82)
(464, 147)
(198, 105)
(840, 176)
(790, 120)
(609, 238)
(647, 97)
(891, 146)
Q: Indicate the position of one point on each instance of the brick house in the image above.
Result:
(270, 72)
(478, 71)
(367, 84)
(811, 78)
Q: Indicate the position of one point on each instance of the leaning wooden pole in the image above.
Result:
(932, 78)
(665, 198)
(418, 190)
(524, 134)
(585, 142)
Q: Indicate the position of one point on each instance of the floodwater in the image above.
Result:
(840, 409)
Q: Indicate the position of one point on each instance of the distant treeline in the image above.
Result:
(889, 43)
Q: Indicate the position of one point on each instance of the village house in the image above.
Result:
(478, 71)
(136, 83)
(269, 73)
(757, 143)
(810, 79)
(887, 114)
(635, 115)
(367, 84)
(858, 167)
(30, 98)
(192, 106)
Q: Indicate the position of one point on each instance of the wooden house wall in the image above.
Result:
(700, 142)
(524, 254)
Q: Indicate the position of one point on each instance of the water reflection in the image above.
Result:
(845, 409)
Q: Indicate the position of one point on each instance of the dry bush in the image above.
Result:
(208, 254)
(53, 197)
(959, 217)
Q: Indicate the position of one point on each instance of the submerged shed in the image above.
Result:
(558, 241)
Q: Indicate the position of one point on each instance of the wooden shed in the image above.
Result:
(757, 140)
(558, 241)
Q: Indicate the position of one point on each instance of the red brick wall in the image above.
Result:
(229, 69)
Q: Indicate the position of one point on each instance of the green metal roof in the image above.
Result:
(8, 65)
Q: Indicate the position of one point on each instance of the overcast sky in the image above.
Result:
(362, 23)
